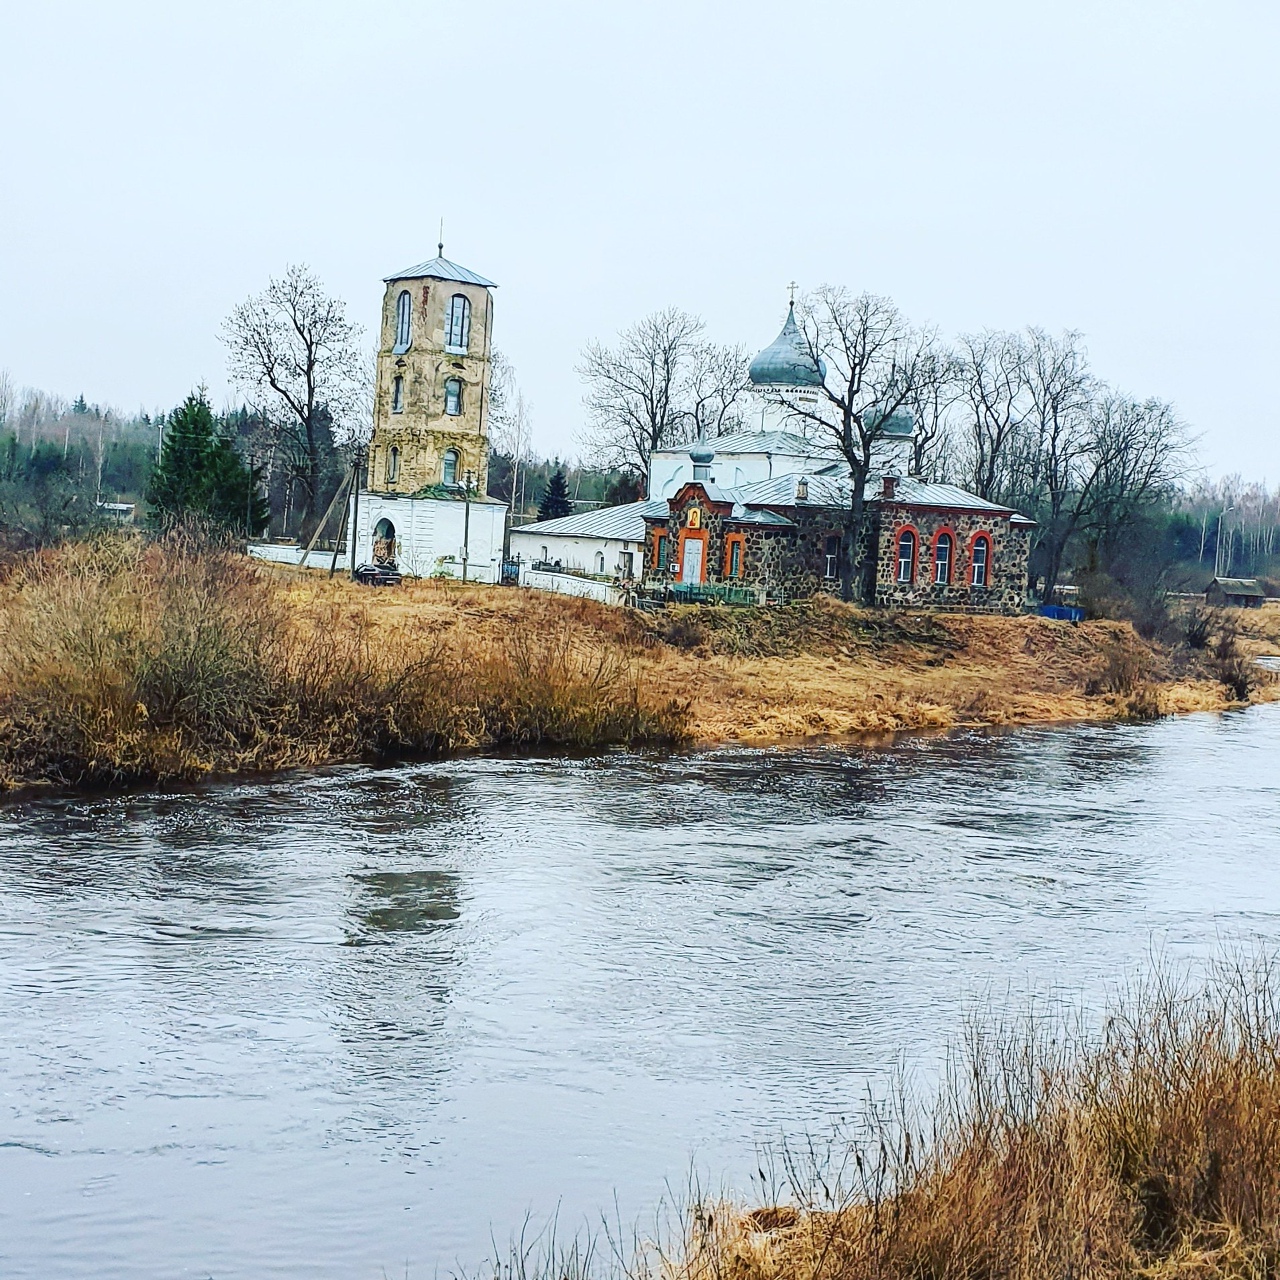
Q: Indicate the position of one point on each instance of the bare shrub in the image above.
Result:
(127, 661)
(1123, 670)
(1198, 625)
(1230, 664)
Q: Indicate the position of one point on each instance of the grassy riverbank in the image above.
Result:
(821, 668)
(1151, 1149)
(125, 662)
(122, 661)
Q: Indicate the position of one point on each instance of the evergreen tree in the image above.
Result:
(555, 498)
(201, 473)
(80, 407)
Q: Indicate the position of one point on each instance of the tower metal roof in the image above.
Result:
(440, 269)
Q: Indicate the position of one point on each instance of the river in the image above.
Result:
(363, 1019)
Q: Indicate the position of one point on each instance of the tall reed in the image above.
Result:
(1150, 1148)
(123, 661)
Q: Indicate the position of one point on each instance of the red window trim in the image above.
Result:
(915, 554)
(741, 540)
(955, 555)
(658, 535)
(973, 542)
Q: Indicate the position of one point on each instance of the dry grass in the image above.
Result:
(1148, 1149)
(1152, 1150)
(127, 662)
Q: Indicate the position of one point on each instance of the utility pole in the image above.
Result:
(357, 462)
(466, 522)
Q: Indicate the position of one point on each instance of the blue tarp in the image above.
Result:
(1061, 612)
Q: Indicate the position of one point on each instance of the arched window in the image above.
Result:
(457, 325)
(600, 562)
(397, 394)
(545, 555)
(404, 322)
(906, 556)
(981, 560)
(453, 397)
(942, 550)
(450, 469)
(393, 465)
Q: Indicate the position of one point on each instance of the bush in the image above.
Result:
(1230, 665)
(124, 661)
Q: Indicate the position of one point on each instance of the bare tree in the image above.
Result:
(712, 386)
(1052, 445)
(931, 403)
(510, 420)
(8, 400)
(875, 364)
(635, 390)
(293, 347)
(995, 393)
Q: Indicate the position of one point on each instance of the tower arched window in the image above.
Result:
(600, 562)
(393, 465)
(453, 397)
(404, 322)
(449, 468)
(457, 325)
(397, 394)
(980, 560)
(942, 551)
(906, 556)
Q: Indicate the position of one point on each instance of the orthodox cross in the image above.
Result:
(791, 289)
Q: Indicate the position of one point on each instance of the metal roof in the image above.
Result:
(780, 491)
(1239, 586)
(786, 361)
(624, 523)
(758, 515)
(440, 269)
(771, 442)
(919, 493)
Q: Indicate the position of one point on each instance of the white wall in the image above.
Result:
(671, 468)
(578, 552)
(283, 554)
(569, 585)
(429, 535)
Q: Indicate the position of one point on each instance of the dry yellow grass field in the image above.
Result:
(825, 669)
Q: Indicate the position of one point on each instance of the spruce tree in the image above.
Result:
(201, 473)
(555, 498)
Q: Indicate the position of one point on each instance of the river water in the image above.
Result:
(368, 1020)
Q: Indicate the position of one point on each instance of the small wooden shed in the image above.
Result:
(1235, 593)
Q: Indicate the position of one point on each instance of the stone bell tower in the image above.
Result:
(431, 399)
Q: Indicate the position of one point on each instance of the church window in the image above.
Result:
(600, 562)
(660, 549)
(457, 325)
(450, 467)
(397, 394)
(906, 556)
(404, 322)
(981, 559)
(733, 558)
(453, 397)
(831, 557)
(393, 465)
(942, 558)
(546, 555)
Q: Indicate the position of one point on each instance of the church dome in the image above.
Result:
(900, 424)
(785, 362)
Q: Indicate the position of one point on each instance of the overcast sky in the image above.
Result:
(1109, 167)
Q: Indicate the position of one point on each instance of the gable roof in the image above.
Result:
(1239, 587)
(440, 269)
(624, 523)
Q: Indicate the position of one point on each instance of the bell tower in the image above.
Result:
(431, 397)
